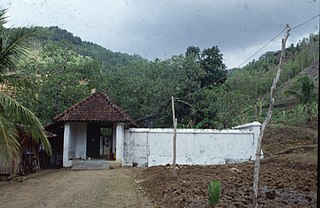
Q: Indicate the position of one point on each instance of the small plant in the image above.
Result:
(214, 191)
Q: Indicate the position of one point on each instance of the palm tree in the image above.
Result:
(13, 46)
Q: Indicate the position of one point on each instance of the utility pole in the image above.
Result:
(174, 139)
(265, 123)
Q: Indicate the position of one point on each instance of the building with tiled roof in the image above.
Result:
(94, 131)
(92, 128)
(96, 108)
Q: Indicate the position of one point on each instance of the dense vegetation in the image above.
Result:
(64, 69)
(109, 60)
(13, 115)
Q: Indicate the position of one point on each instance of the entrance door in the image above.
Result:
(93, 140)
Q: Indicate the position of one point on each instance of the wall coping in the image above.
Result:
(188, 131)
(248, 125)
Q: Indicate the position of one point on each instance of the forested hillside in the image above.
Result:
(299, 78)
(64, 69)
(108, 59)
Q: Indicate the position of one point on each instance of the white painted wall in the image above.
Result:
(66, 135)
(80, 137)
(72, 141)
(75, 142)
(120, 143)
(255, 127)
(149, 147)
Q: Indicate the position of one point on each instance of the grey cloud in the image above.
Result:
(162, 28)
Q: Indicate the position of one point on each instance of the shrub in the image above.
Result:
(214, 190)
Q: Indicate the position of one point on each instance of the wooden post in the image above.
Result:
(174, 139)
(265, 123)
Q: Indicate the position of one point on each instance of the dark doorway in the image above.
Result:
(106, 142)
(93, 140)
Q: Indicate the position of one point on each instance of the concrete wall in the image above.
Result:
(149, 147)
(255, 128)
(119, 143)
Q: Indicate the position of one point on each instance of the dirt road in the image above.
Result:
(66, 188)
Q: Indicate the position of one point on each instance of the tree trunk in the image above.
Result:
(265, 123)
(174, 148)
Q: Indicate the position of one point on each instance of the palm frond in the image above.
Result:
(28, 120)
(8, 138)
(13, 47)
(13, 81)
(3, 18)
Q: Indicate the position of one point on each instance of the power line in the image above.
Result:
(261, 48)
(305, 22)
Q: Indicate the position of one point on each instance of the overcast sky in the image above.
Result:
(162, 28)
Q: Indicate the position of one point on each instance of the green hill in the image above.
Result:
(312, 72)
(65, 69)
(255, 80)
(256, 77)
(109, 60)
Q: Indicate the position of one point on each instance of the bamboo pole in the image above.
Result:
(265, 123)
(174, 139)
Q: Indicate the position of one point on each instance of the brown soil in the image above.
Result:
(66, 188)
(287, 178)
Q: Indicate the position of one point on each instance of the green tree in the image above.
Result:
(212, 64)
(232, 106)
(63, 78)
(193, 51)
(13, 46)
(145, 89)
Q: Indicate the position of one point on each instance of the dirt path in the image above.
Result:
(66, 188)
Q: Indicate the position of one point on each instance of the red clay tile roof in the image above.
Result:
(98, 107)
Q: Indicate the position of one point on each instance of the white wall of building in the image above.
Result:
(80, 138)
(75, 142)
(66, 143)
(149, 147)
(120, 143)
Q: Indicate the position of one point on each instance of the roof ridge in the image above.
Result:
(72, 113)
(75, 106)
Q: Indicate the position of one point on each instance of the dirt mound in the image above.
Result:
(287, 178)
(279, 186)
(279, 137)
